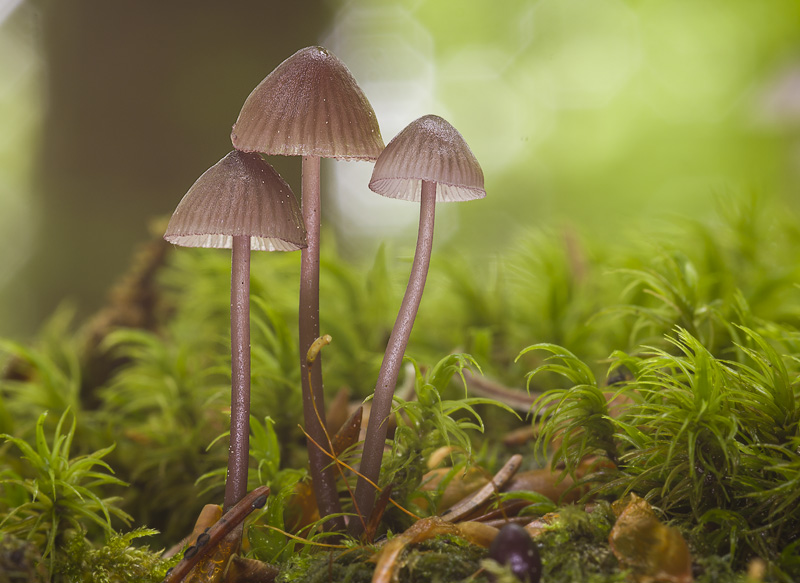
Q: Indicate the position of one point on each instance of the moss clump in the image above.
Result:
(576, 548)
(442, 560)
(117, 561)
(715, 569)
(349, 566)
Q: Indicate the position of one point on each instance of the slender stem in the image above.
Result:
(239, 452)
(322, 476)
(393, 359)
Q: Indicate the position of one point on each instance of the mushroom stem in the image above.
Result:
(239, 453)
(322, 476)
(393, 359)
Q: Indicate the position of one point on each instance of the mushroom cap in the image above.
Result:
(429, 148)
(310, 105)
(239, 195)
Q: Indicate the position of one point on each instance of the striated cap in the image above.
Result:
(239, 195)
(310, 105)
(428, 149)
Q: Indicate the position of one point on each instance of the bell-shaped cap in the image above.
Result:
(428, 149)
(310, 105)
(239, 195)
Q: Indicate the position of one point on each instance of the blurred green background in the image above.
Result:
(585, 114)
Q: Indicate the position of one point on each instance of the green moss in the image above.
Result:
(576, 548)
(442, 560)
(715, 569)
(701, 316)
(350, 566)
(117, 561)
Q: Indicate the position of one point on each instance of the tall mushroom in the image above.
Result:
(240, 203)
(311, 106)
(428, 161)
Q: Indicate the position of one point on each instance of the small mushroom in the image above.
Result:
(240, 203)
(311, 106)
(428, 161)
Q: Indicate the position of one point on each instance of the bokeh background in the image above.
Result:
(585, 114)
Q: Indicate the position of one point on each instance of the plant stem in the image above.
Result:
(393, 359)
(239, 452)
(322, 476)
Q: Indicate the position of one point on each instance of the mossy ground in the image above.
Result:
(696, 322)
(438, 560)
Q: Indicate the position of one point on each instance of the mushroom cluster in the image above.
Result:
(311, 106)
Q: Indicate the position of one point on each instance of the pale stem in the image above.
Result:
(322, 476)
(239, 452)
(393, 359)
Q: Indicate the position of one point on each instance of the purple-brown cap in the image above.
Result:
(431, 149)
(310, 105)
(239, 195)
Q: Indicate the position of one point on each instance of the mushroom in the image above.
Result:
(311, 106)
(240, 203)
(428, 161)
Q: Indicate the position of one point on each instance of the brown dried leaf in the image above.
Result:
(655, 552)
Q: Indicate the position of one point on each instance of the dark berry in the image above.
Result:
(514, 547)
